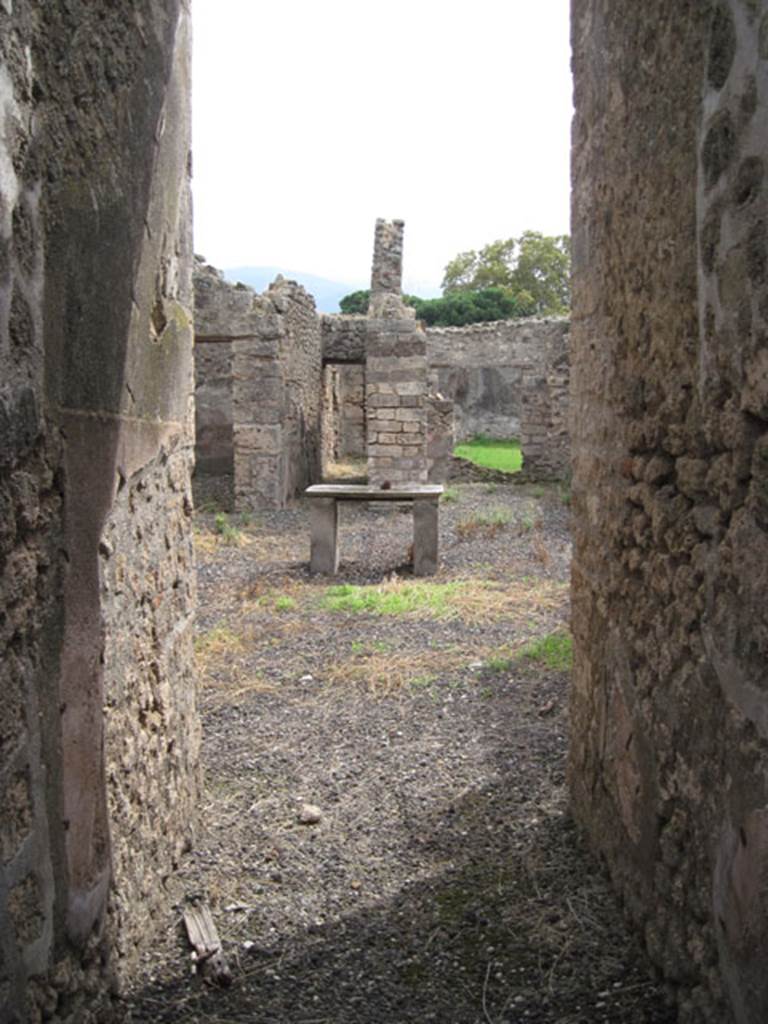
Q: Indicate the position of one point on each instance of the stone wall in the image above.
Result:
(669, 752)
(441, 438)
(343, 338)
(259, 384)
(344, 411)
(98, 730)
(214, 452)
(508, 378)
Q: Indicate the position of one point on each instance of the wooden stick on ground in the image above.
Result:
(205, 941)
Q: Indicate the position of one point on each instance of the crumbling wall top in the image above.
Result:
(387, 272)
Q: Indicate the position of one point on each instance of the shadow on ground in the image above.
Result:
(513, 922)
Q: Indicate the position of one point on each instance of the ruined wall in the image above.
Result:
(507, 378)
(343, 338)
(98, 731)
(258, 386)
(301, 360)
(344, 411)
(441, 438)
(669, 752)
(214, 453)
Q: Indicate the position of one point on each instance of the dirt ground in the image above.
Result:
(385, 837)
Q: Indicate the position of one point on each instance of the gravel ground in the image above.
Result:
(385, 837)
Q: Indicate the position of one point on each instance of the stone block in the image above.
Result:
(324, 531)
(425, 538)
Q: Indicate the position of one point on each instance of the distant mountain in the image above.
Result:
(325, 293)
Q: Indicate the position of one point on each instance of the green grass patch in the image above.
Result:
(502, 455)
(450, 494)
(228, 533)
(391, 599)
(554, 651)
(284, 603)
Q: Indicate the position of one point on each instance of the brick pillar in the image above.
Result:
(396, 370)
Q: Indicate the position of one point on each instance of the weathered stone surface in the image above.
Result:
(262, 417)
(95, 450)
(343, 338)
(669, 770)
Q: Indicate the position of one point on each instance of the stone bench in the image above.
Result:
(324, 521)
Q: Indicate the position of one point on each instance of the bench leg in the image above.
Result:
(425, 534)
(324, 534)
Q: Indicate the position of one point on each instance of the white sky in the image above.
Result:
(314, 117)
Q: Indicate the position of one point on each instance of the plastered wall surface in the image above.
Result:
(98, 727)
(669, 754)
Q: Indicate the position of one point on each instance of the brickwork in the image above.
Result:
(395, 389)
(669, 762)
(98, 730)
(395, 371)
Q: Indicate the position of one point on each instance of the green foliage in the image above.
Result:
(453, 310)
(554, 651)
(469, 307)
(534, 270)
(355, 302)
(450, 494)
(228, 533)
(285, 603)
(502, 455)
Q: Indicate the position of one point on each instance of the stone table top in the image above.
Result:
(366, 492)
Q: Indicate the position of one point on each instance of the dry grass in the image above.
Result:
(383, 673)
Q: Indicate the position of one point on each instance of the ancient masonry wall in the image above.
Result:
(669, 750)
(344, 411)
(98, 729)
(343, 386)
(269, 416)
(214, 453)
(343, 338)
(300, 348)
(508, 378)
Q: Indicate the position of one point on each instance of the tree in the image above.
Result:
(468, 307)
(534, 269)
(454, 309)
(355, 302)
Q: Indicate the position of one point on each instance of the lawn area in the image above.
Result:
(503, 455)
